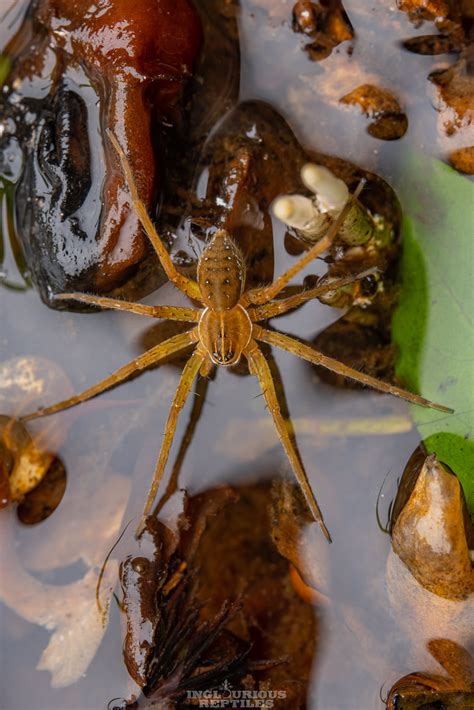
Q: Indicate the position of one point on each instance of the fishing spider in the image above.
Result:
(226, 327)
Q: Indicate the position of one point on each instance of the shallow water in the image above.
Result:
(362, 647)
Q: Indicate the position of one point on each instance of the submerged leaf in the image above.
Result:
(433, 325)
(77, 624)
(210, 602)
(69, 612)
(165, 644)
(66, 539)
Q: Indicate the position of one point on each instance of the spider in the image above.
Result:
(226, 328)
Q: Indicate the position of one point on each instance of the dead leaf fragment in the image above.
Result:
(70, 612)
(78, 625)
(65, 539)
(149, 577)
(238, 558)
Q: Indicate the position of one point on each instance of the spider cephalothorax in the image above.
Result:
(226, 328)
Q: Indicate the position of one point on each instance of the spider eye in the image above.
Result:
(223, 358)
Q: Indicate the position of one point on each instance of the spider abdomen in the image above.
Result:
(221, 273)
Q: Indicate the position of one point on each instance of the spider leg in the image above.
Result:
(190, 371)
(277, 308)
(200, 391)
(259, 366)
(169, 312)
(309, 353)
(258, 296)
(150, 357)
(185, 284)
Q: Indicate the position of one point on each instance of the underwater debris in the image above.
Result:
(455, 87)
(429, 573)
(165, 641)
(22, 464)
(26, 460)
(325, 23)
(204, 606)
(455, 690)
(68, 611)
(388, 121)
(433, 533)
(463, 159)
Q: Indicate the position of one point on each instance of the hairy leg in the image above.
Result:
(259, 367)
(150, 357)
(308, 353)
(185, 284)
(200, 391)
(191, 370)
(278, 308)
(170, 312)
(258, 296)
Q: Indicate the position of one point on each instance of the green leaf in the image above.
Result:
(433, 325)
